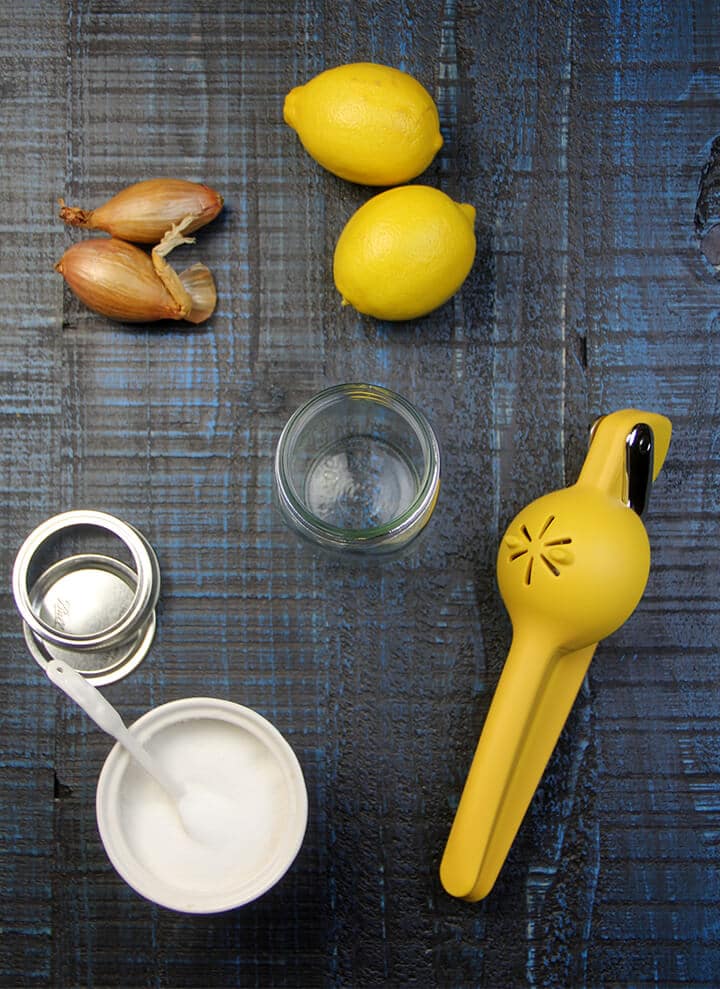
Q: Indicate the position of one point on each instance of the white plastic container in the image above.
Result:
(229, 748)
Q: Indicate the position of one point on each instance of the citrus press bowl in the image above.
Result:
(571, 568)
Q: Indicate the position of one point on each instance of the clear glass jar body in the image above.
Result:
(357, 471)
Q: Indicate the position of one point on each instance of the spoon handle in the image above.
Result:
(106, 717)
(88, 697)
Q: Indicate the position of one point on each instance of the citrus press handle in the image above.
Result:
(531, 704)
(515, 744)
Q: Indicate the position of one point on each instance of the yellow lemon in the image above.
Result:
(404, 252)
(366, 123)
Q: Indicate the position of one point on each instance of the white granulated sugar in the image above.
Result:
(245, 798)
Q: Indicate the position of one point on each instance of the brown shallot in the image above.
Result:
(143, 212)
(122, 282)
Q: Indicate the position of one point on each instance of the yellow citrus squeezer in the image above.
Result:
(572, 566)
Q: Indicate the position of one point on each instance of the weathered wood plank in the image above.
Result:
(32, 79)
(579, 131)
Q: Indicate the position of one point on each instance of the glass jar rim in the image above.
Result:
(413, 517)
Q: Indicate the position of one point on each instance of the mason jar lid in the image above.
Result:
(91, 610)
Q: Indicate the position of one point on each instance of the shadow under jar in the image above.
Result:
(357, 471)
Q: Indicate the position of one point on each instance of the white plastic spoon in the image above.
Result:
(207, 817)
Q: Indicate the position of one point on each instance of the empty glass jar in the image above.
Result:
(357, 471)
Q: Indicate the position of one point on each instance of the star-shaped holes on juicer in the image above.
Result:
(548, 549)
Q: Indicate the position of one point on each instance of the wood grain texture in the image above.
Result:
(580, 131)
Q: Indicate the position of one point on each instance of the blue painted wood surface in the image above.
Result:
(581, 132)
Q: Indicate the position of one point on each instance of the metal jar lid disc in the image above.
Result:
(100, 589)
(90, 610)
